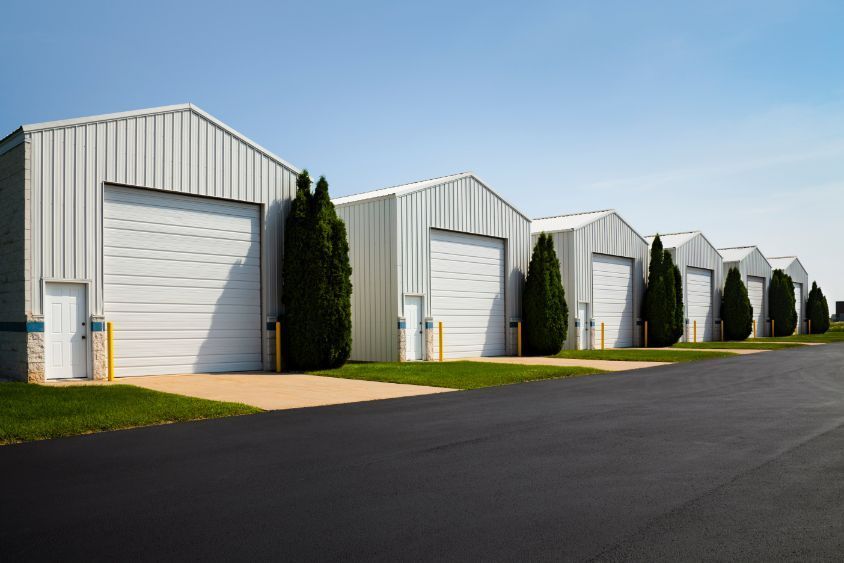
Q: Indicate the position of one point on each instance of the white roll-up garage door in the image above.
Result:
(612, 300)
(467, 294)
(756, 294)
(699, 302)
(182, 282)
(798, 306)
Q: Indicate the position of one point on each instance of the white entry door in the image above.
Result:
(798, 306)
(413, 322)
(612, 300)
(699, 303)
(583, 319)
(65, 331)
(756, 294)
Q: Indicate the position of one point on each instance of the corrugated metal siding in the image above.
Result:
(371, 228)
(609, 235)
(698, 253)
(179, 151)
(801, 276)
(464, 205)
(754, 264)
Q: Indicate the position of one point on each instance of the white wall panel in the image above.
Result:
(176, 149)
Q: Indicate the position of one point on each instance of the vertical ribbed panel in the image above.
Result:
(463, 205)
(697, 252)
(609, 235)
(754, 264)
(177, 150)
(370, 229)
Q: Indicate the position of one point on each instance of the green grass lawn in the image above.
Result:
(828, 337)
(642, 355)
(456, 375)
(36, 412)
(749, 345)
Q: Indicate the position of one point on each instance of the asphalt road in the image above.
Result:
(741, 458)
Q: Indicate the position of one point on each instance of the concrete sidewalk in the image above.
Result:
(271, 391)
(608, 365)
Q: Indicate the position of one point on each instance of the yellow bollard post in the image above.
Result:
(110, 337)
(695, 329)
(772, 328)
(519, 338)
(646, 334)
(441, 341)
(722, 330)
(754, 328)
(602, 335)
(810, 326)
(278, 347)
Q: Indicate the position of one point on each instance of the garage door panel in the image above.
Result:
(756, 294)
(181, 283)
(612, 299)
(467, 293)
(699, 307)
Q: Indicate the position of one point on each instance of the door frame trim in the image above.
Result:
(422, 315)
(89, 350)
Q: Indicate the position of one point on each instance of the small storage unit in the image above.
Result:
(165, 222)
(701, 267)
(755, 272)
(603, 261)
(448, 250)
(792, 266)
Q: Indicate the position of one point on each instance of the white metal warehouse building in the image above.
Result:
(164, 221)
(603, 261)
(792, 266)
(701, 268)
(444, 250)
(755, 272)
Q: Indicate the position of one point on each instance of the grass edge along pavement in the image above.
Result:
(453, 375)
(737, 345)
(40, 412)
(661, 355)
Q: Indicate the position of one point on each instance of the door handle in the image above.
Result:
(83, 337)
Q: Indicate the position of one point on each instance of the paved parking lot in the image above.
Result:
(739, 458)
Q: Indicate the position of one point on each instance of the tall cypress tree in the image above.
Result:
(316, 275)
(679, 309)
(781, 304)
(660, 300)
(545, 311)
(817, 310)
(736, 311)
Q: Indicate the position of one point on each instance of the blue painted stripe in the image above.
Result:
(98, 326)
(429, 324)
(271, 327)
(402, 325)
(514, 324)
(34, 326)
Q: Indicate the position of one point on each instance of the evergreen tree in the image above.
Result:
(817, 310)
(316, 276)
(781, 304)
(736, 311)
(660, 300)
(679, 309)
(545, 311)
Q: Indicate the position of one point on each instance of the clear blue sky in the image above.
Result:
(722, 116)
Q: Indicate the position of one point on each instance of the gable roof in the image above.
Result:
(739, 253)
(16, 136)
(574, 221)
(675, 240)
(567, 222)
(403, 189)
(783, 262)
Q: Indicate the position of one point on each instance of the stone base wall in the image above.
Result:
(402, 342)
(35, 357)
(13, 355)
(99, 359)
(429, 339)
